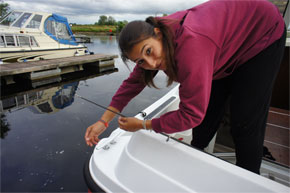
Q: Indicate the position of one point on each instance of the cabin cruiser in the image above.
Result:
(31, 36)
(145, 161)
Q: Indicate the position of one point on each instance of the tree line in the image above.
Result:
(108, 21)
(4, 9)
(104, 20)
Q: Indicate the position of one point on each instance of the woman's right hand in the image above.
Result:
(93, 132)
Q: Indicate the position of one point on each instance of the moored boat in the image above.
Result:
(32, 36)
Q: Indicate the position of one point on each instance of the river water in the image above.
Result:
(42, 128)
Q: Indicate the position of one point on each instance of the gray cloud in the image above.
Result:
(88, 11)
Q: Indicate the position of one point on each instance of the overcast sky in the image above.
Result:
(88, 11)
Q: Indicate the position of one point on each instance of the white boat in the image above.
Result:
(32, 36)
(145, 161)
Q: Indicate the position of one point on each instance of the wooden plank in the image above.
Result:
(280, 153)
(278, 135)
(279, 117)
(24, 67)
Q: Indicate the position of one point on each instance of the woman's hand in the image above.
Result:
(93, 132)
(131, 124)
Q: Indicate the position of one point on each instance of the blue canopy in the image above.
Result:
(63, 20)
(61, 100)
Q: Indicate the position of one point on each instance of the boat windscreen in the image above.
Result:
(21, 21)
(35, 21)
(10, 18)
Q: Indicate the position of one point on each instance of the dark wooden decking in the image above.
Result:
(41, 65)
(278, 134)
(276, 137)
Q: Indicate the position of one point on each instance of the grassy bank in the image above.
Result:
(94, 28)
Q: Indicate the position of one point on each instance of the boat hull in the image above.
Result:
(41, 54)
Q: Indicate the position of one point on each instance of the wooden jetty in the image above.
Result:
(43, 69)
(82, 39)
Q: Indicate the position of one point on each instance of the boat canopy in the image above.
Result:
(65, 96)
(57, 28)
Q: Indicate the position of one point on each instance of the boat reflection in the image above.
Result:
(46, 99)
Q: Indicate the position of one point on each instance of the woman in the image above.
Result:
(216, 51)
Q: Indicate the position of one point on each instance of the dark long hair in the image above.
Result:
(137, 31)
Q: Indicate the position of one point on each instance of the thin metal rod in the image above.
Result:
(100, 105)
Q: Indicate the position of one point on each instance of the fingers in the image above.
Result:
(87, 138)
(94, 140)
(93, 132)
(122, 122)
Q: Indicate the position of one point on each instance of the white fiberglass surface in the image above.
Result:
(104, 161)
(149, 163)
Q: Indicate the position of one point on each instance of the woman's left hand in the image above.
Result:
(131, 124)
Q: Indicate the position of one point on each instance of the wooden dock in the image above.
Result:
(42, 69)
(82, 39)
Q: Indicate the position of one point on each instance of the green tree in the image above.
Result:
(120, 25)
(4, 9)
(103, 20)
(111, 21)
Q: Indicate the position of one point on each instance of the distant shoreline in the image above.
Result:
(95, 33)
(94, 29)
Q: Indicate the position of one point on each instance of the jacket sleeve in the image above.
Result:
(195, 56)
(130, 87)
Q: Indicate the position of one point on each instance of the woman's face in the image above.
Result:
(149, 54)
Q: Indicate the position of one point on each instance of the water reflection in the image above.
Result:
(43, 101)
(46, 99)
(105, 44)
(4, 126)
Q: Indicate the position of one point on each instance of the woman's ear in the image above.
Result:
(158, 32)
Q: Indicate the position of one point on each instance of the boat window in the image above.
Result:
(10, 41)
(62, 32)
(35, 22)
(10, 18)
(50, 27)
(33, 42)
(22, 20)
(2, 43)
(23, 41)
